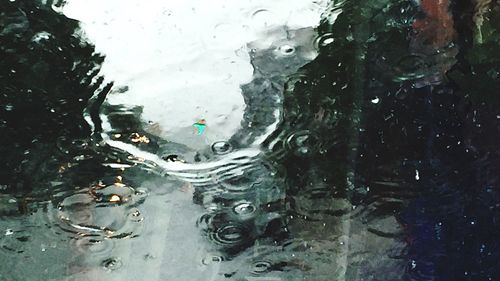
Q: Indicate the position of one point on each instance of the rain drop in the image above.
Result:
(244, 208)
(302, 143)
(263, 18)
(172, 158)
(261, 267)
(221, 147)
(286, 50)
(230, 234)
(211, 259)
(41, 36)
(323, 40)
(112, 264)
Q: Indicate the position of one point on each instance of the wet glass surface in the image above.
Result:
(249, 140)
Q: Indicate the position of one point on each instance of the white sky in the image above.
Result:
(179, 57)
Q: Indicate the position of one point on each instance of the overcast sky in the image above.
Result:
(184, 60)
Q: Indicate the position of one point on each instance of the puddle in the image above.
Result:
(283, 140)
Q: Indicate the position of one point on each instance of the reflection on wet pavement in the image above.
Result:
(292, 140)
